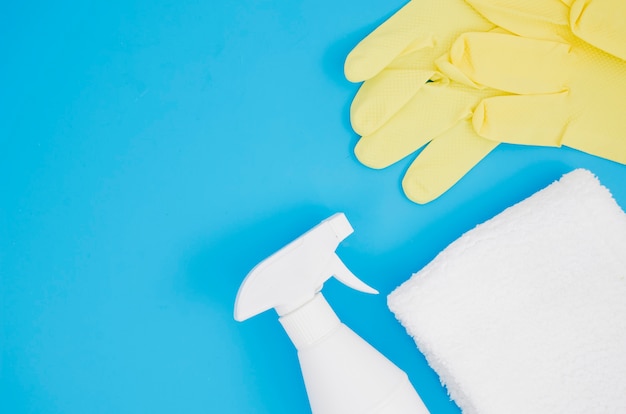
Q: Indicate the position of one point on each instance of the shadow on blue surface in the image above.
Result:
(215, 272)
(219, 266)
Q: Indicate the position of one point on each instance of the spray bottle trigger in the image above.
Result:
(345, 276)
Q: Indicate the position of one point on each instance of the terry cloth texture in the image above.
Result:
(526, 313)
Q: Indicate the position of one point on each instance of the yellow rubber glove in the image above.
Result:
(601, 23)
(568, 92)
(406, 102)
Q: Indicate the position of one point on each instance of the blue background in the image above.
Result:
(152, 152)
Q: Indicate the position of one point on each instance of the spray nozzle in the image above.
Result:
(293, 275)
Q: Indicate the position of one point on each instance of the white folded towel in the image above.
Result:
(526, 313)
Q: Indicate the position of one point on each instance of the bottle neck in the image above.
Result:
(310, 322)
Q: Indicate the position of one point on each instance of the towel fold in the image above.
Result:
(526, 313)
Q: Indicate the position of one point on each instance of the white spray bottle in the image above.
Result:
(342, 373)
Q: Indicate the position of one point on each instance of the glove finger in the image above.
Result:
(512, 63)
(525, 119)
(545, 120)
(450, 71)
(381, 97)
(540, 19)
(432, 111)
(601, 23)
(419, 25)
(384, 44)
(444, 162)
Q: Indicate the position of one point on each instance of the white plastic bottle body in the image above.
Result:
(342, 373)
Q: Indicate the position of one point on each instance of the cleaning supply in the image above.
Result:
(342, 373)
(413, 94)
(560, 89)
(406, 102)
(526, 313)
